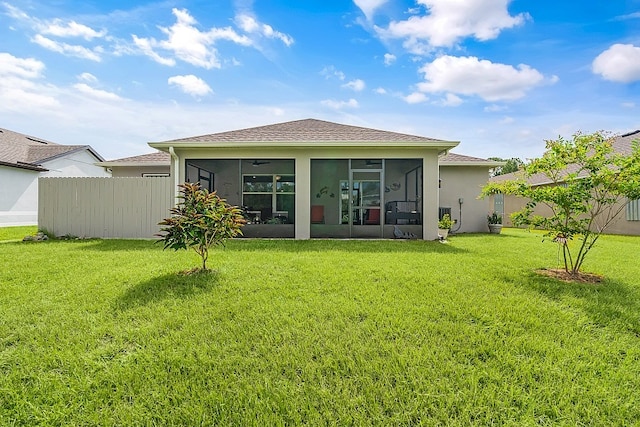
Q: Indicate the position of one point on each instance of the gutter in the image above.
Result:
(176, 170)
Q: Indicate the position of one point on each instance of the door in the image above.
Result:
(366, 203)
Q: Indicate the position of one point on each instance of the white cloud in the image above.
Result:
(415, 98)
(471, 76)
(21, 95)
(447, 22)
(634, 15)
(331, 71)
(380, 91)
(250, 25)
(15, 13)
(67, 49)
(369, 7)
(20, 67)
(629, 104)
(88, 77)
(100, 94)
(146, 48)
(619, 63)
(191, 85)
(355, 85)
(507, 120)
(18, 90)
(338, 105)
(494, 108)
(188, 43)
(451, 100)
(276, 111)
(389, 59)
(71, 29)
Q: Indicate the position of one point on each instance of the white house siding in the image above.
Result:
(74, 165)
(19, 187)
(465, 182)
(18, 196)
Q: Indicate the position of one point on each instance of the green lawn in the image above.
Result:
(103, 332)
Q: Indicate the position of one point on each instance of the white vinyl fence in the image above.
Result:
(104, 207)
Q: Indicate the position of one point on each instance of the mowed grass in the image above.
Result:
(105, 332)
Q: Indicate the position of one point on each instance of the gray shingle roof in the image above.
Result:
(454, 158)
(17, 148)
(14, 146)
(307, 130)
(159, 157)
(623, 144)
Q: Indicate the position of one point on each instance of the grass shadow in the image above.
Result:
(168, 286)
(609, 303)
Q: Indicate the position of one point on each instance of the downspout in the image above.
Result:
(176, 171)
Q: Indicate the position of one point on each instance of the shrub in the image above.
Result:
(199, 221)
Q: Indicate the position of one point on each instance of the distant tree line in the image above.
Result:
(511, 165)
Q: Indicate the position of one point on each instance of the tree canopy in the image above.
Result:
(511, 165)
(587, 186)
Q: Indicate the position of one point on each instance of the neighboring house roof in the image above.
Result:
(453, 159)
(18, 150)
(159, 158)
(303, 132)
(623, 144)
(26, 166)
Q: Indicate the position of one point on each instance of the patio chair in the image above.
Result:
(317, 214)
(372, 217)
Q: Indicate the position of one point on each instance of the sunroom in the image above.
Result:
(316, 179)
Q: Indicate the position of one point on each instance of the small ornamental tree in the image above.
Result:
(589, 185)
(199, 221)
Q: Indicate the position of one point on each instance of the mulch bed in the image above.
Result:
(562, 275)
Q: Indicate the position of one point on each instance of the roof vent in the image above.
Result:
(37, 140)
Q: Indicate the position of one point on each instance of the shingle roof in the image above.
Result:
(36, 154)
(623, 144)
(157, 158)
(14, 146)
(307, 130)
(17, 148)
(459, 159)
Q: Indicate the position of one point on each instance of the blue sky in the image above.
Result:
(500, 76)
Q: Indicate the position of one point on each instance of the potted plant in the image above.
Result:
(444, 225)
(495, 223)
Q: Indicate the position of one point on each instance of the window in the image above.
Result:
(269, 198)
(198, 174)
(633, 210)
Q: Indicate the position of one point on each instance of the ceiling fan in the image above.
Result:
(256, 163)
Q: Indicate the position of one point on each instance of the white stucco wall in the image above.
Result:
(465, 182)
(74, 165)
(18, 196)
(19, 187)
